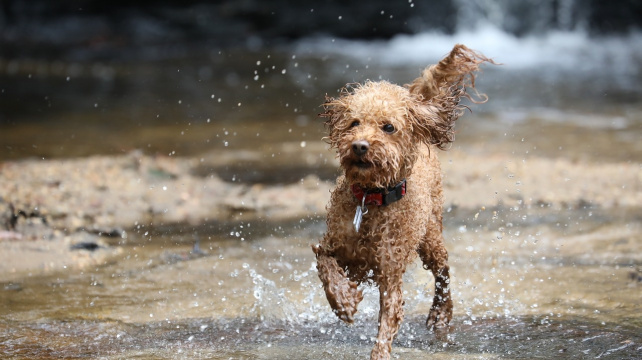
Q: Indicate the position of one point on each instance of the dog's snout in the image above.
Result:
(360, 147)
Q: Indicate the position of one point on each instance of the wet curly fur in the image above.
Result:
(384, 133)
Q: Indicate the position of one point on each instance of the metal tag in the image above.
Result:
(358, 216)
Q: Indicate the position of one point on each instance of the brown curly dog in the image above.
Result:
(386, 207)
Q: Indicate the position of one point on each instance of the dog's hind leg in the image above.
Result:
(435, 258)
(342, 293)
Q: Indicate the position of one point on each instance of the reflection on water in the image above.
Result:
(522, 288)
(233, 100)
(183, 107)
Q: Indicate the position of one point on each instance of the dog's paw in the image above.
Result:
(439, 316)
(381, 351)
(346, 299)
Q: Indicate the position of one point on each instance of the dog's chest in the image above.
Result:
(383, 230)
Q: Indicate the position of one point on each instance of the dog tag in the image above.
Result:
(358, 216)
(357, 219)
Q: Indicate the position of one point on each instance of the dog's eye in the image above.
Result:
(354, 123)
(388, 128)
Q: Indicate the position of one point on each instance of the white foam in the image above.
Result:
(565, 50)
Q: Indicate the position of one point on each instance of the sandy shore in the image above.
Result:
(55, 214)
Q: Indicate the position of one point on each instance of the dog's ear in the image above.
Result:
(335, 112)
(431, 125)
(438, 92)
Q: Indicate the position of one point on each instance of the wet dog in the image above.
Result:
(387, 206)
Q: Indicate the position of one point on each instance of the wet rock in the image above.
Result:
(11, 286)
(89, 246)
(59, 252)
(172, 257)
(7, 217)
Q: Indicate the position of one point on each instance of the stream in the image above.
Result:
(528, 281)
(525, 287)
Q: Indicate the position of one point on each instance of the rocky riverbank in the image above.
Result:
(57, 214)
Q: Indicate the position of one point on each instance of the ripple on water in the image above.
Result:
(503, 337)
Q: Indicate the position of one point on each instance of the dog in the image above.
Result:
(386, 207)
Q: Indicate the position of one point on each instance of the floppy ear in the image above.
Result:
(438, 92)
(433, 125)
(335, 112)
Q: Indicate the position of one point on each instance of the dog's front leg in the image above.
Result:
(390, 316)
(342, 293)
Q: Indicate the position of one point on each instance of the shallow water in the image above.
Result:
(232, 100)
(524, 288)
(528, 283)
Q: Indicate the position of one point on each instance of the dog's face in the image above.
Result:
(376, 129)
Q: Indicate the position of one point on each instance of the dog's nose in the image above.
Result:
(360, 147)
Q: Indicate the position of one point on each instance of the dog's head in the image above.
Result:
(378, 127)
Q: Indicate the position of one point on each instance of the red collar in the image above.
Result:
(380, 196)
